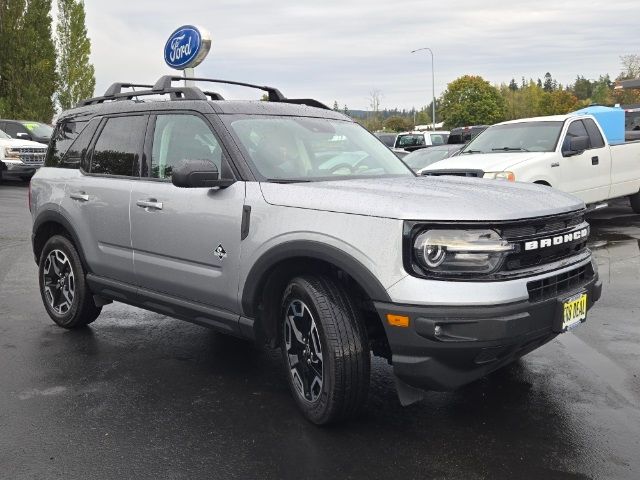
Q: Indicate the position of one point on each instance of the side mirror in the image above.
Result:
(577, 145)
(198, 174)
(23, 136)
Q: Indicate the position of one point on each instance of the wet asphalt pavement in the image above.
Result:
(139, 395)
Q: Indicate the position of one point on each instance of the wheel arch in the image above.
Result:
(48, 224)
(271, 272)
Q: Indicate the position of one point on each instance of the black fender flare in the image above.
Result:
(309, 249)
(54, 216)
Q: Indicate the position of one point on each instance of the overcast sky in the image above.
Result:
(342, 50)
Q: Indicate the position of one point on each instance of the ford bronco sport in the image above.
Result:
(287, 223)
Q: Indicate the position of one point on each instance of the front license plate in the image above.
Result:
(574, 311)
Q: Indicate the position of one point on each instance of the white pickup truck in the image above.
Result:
(567, 152)
(20, 158)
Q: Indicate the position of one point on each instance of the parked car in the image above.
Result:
(27, 130)
(419, 159)
(409, 141)
(388, 138)
(227, 214)
(19, 158)
(567, 152)
(462, 135)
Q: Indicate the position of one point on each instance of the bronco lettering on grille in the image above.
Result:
(557, 240)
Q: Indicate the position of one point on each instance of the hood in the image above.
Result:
(18, 143)
(487, 162)
(424, 198)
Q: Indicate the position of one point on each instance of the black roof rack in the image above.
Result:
(164, 86)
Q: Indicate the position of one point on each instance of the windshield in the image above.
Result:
(516, 137)
(410, 140)
(4, 135)
(38, 129)
(387, 138)
(425, 157)
(306, 149)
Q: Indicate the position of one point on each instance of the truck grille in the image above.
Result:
(32, 156)
(540, 230)
(555, 285)
(455, 173)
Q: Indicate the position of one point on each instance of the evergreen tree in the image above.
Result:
(513, 86)
(548, 83)
(27, 60)
(39, 71)
(75, 71)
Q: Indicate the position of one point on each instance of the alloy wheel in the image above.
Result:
(304, 350)
(59, 282)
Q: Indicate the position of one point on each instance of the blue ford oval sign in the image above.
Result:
(187, 47)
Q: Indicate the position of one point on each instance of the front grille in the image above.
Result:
(523, 232)
(455, 173)
(556, 285)
(32, 155)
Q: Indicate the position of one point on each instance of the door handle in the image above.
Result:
(81, 196)
(151, 203)
(595, 160)
(555, 164)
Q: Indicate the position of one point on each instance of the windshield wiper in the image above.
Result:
(471, 151)
(509, 149)
(287, 180)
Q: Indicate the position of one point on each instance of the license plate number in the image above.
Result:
(574, 311)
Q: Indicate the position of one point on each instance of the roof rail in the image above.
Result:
(116, 88)
(164, 86)
(274, 95)
(178, 93)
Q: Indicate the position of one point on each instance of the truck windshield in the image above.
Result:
(38, 129)
(312, 149)
(516, 137)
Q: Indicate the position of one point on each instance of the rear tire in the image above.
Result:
(325, 350)
(634, 200)
(63, 287)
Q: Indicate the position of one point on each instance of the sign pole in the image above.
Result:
(189, 73)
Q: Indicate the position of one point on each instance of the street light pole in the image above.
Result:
(433, 86)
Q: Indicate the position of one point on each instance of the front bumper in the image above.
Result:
(472, 341)
(18, 168)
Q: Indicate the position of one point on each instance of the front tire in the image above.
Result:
(634, 200)
(325, 350)
(63, 287)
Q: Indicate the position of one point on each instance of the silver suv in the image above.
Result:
(287, 223)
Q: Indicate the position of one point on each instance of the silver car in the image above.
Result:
(287, 223)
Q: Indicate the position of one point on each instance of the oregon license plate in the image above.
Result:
(574, 311)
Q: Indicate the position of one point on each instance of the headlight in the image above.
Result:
(11, 153)
(510, 176)
(455, 252)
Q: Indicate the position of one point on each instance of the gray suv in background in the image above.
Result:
(287, 223)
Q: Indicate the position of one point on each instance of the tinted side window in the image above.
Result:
(63, 137)
(180, 137)
(594, 134)
(12, 129)
(576, 129)
(117, 150)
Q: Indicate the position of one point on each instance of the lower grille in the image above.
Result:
(555, 285)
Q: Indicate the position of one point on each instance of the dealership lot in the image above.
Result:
(145, 396)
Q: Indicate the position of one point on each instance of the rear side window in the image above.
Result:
(576, 129)
(594, 134)
(63, 137)
(117, 150)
